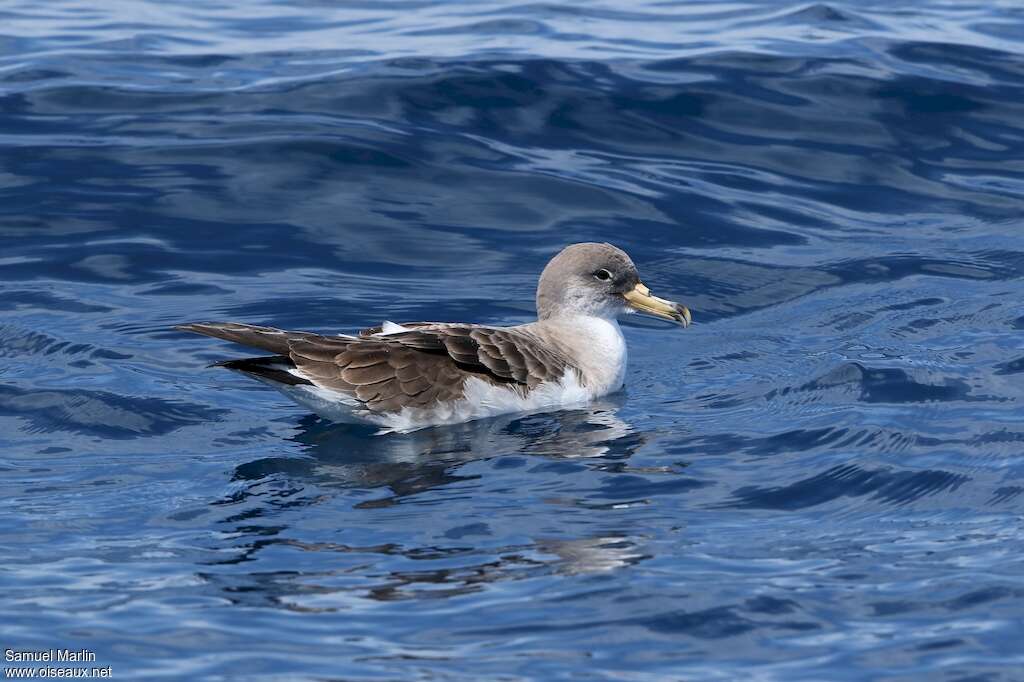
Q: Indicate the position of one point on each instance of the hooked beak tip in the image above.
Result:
(640, 299)
(685, 318)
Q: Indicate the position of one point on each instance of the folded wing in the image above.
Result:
(430, 362)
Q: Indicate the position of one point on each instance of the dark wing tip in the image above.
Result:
(266, 338)
(190, 326)
(207, 327)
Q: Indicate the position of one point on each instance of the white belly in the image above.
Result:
(481, 399)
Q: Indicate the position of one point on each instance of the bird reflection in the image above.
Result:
(342, 457)
(331, 588)
(349, 456)
(593, 555)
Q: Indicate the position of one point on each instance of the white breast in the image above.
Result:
(596, 346)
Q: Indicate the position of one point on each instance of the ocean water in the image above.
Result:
(821, 479)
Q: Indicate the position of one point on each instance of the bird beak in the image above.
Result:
(639, 298)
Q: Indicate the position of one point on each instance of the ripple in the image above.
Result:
(896, 487)
(884, 385)
(100, 412)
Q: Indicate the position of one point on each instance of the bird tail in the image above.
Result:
(275, 370)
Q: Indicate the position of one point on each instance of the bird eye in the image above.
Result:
(603, 275)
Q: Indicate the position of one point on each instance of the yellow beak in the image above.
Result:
(640, 299)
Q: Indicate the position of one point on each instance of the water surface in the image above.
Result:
(821, 479)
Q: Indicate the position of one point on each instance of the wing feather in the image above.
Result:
(416, 368)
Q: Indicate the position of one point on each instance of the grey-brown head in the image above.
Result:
(599, 280)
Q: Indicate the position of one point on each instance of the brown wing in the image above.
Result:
(424, 365)
(429, 363)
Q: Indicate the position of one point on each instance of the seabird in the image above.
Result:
(404, 377)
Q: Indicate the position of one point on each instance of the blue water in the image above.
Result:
(821, 479)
